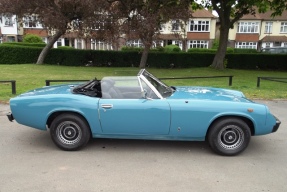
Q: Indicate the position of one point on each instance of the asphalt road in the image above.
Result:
(29, 161)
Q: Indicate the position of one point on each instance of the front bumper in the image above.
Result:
(10, 116)
(276, 126)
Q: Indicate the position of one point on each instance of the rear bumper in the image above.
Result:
(10, 116)
(276, 126)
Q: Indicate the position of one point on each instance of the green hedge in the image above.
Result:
(24, 44)
(74, 57)
(257, 61)
(17, 54)
(229, 50)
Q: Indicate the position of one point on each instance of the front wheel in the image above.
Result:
(229, 136)
(70, 132)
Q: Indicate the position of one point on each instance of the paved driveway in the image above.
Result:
(29, 161)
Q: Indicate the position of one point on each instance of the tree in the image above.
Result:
(142, 19)
(59, 16)
(278, 6)
(229, 12)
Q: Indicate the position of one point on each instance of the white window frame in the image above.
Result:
(8, 21)
(175, 25)
(158, 43)
(79, 44)
(28, 24)
(162, 27)
(268, 27)
(59, 42)
(177, 43)
(267, 44)
(200, 44)
(248, 27)
(134, 43)
(283, 27)
(100, 45)
(246, 45)
(199, 26)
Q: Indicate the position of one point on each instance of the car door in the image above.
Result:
(134, 116)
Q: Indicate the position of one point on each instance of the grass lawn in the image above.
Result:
(30, 76)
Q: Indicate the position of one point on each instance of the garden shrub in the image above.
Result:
(31, 38)
(172, 48)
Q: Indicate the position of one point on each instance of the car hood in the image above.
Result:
(208, 93)
(56, 89)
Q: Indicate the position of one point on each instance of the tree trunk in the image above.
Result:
(144, 56)
(49, 45)
(218, 61)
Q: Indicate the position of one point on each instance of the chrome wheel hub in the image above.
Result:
(68, 132)
(231, 137)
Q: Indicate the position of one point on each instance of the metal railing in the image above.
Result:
(227, 76)
(13, 84)
(276, 79)
(165, 78)
(49, 81)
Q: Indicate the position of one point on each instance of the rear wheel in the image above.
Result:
(70, 132)
(229, 136)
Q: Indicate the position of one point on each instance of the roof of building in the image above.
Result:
(169, 36)
(268, 38)
(265, 16)
(203, 13)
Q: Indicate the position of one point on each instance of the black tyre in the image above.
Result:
(229, 136)
(70, 132)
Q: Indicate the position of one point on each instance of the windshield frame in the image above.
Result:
(160, 88)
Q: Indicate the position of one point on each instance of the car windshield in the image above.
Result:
(161, 87)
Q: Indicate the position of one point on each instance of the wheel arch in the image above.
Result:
(53, 115)
(245, 119)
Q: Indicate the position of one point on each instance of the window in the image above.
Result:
(277, 44)
(31, 22)
(175, 25)
(11, 38)
(198, 44)
(268, 27)
(285, 44)
(246, 45)
(283, 28)
(248, 27)
(158, 43)
(8, 21)
(134, 43)
(103, 22)
(1, 40)
(178, 43)
(44, 39)
(199, 26)
(267, 45)
(59, 42)
(100, 45)
(162, 27)
(79, 44)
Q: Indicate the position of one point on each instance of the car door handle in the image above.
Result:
(107, 106)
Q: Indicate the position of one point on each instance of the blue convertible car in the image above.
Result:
(143, 107)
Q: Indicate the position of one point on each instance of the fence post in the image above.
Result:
(13, 83)
(230, 80)
(258, 81)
